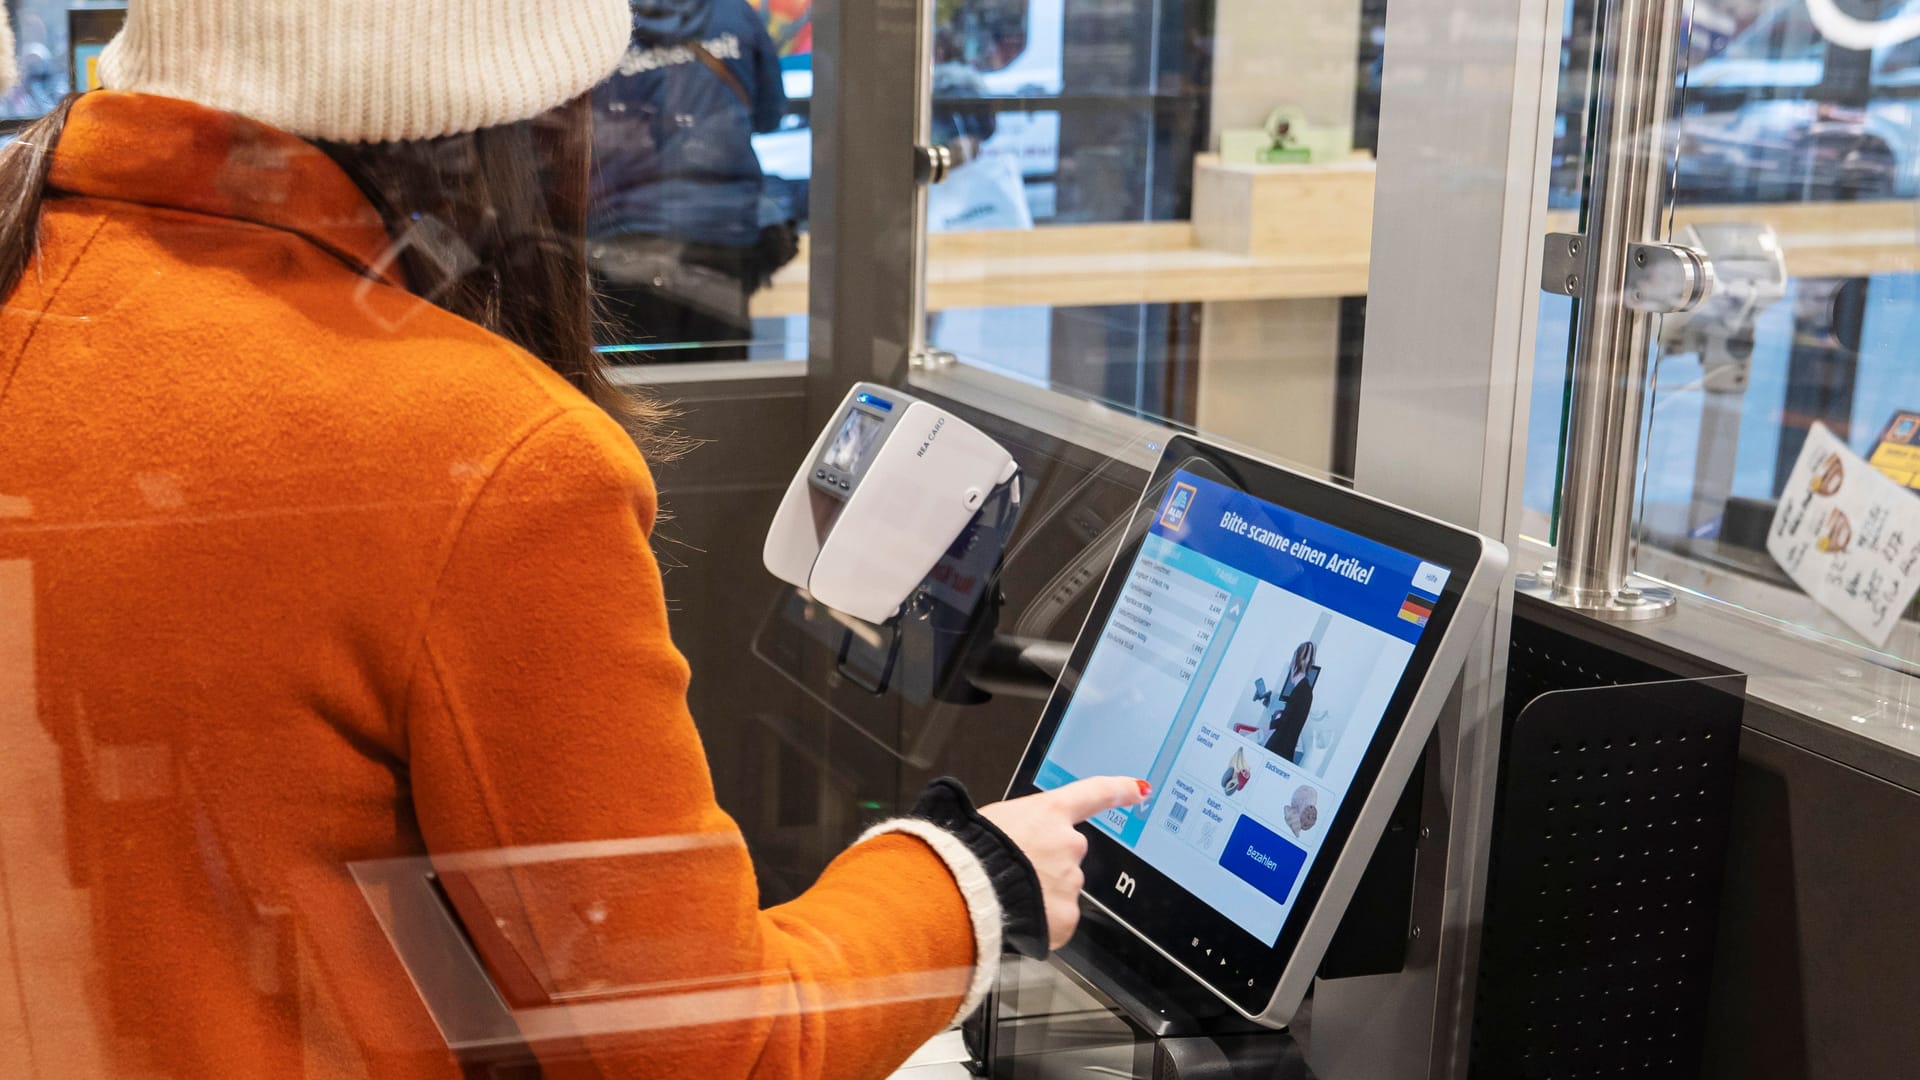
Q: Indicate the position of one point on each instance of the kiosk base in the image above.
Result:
(1085, 1012)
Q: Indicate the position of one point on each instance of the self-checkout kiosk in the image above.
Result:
(1211, 912)
(1269, 886)
(1217, 922)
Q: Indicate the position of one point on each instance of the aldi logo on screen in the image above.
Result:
(1178, 505)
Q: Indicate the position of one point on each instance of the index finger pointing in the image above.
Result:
(1097, 794)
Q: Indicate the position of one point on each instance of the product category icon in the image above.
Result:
(1237, 774)
(1302, 812)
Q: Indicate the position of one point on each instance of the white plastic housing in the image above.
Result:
(864, 553)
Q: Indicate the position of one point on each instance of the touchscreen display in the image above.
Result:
(850, 443)
(1244, 670)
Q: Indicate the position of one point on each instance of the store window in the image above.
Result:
(1795, 163)
(699, 204)
(702, 181)
(1161, 205)
(57, 45)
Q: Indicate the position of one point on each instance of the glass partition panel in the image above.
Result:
(1162, 205)
(1567, 173)
(1780, 448)
(341, 427)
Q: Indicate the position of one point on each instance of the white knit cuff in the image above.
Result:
(983, 902)
(370, 70)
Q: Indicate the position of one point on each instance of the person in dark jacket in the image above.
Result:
(675, 235)
(1296, 705)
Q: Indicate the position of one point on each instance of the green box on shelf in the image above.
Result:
(1301, 145)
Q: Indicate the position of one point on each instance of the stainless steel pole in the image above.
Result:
(930, 167)
(1611, 340)
(863, 209)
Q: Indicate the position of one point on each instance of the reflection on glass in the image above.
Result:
(1796, 158)
(681, 229)
(1809, 336)
(52, 45)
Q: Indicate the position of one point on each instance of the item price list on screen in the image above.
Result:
(1167, 617)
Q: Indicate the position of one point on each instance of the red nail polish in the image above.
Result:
(1146, 789)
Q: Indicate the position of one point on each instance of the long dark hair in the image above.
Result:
(1303, 658)
(24, 167)
(512, 199)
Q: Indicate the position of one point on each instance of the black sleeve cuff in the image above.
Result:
(1023, 908)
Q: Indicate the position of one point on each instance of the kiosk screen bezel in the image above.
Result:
(1164, 915)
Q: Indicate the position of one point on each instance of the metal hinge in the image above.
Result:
(930, 359)
(931, 164)
(1661, 278)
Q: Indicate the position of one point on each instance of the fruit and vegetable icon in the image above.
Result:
(1237, 774)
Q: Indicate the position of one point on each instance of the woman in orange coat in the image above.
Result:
(324, 535)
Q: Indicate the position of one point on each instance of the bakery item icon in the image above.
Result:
(1302, 812)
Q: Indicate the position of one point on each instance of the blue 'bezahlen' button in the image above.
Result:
(1262, 859)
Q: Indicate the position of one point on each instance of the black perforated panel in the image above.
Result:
(1609, 841)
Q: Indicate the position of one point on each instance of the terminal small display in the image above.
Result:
(1255, 654)
(850, 444)
(865, 422)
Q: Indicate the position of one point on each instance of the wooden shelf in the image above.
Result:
(1087, 265)
(1240, 246)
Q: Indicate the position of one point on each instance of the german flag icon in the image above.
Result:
(1417, 609)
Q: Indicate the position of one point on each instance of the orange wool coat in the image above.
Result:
(322, 576)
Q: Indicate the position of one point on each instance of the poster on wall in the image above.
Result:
(790, 24)
(1849, 536)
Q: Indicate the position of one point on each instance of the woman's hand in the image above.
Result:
(1043, 826)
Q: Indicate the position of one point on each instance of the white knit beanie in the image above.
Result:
(369, 70)
(9, 65)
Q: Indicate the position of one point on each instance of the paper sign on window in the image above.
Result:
(1848, 535)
